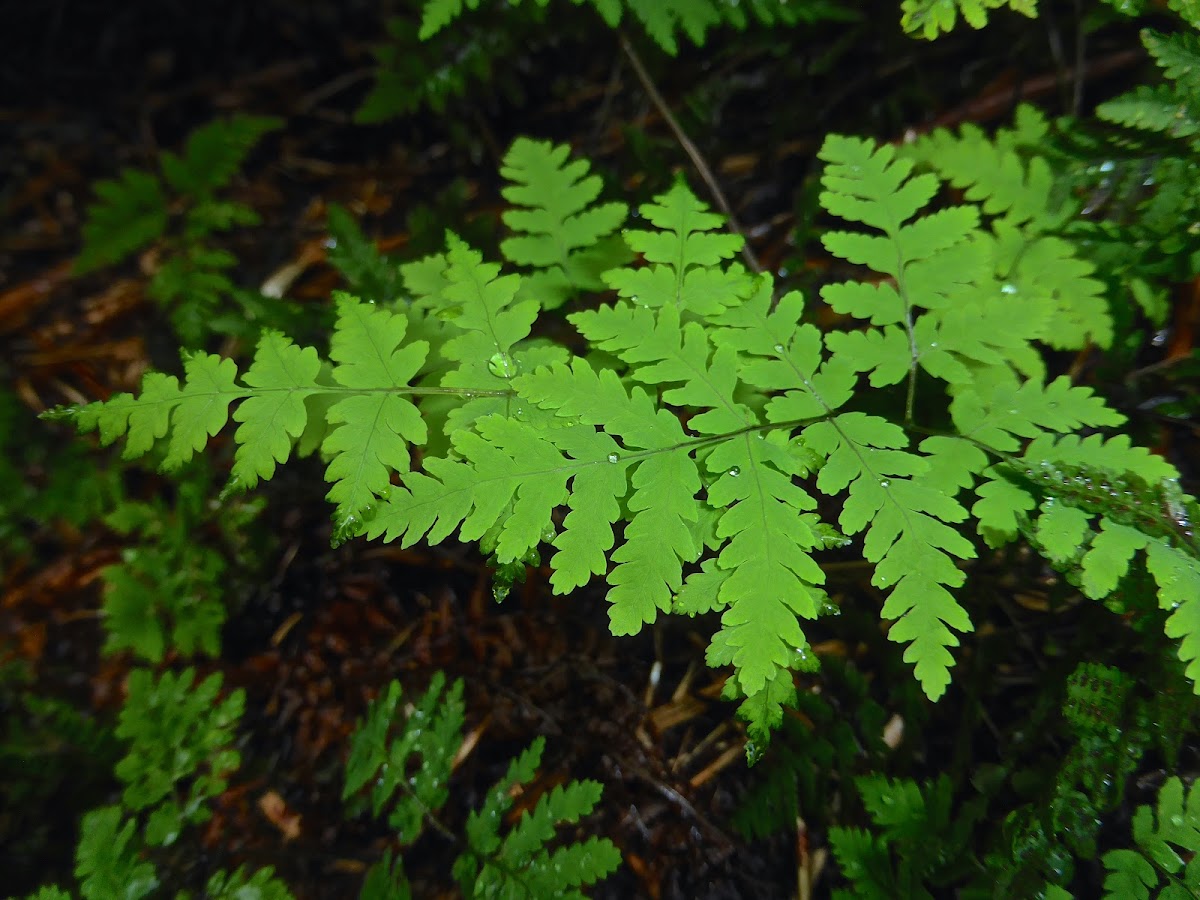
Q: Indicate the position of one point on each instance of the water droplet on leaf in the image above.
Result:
(614, 458)
(502, 365)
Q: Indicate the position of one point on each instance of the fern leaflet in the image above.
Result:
(558, 231)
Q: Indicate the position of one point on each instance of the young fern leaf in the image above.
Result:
(519, 864)
(431, 734)
(557, 229)
(1162, 843)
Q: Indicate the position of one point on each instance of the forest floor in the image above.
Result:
(314, 632)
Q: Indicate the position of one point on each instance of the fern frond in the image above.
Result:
(995, 174)
(107, 862)
(504, 475)
(1153, 108)
(214, 153)
(520, 863)
(558, 230)
(129, 212)
(181, 752)
(1160, 841)
(490, 321)
(430, 736)
(664, 19)
(1172, 108)
(930, 18)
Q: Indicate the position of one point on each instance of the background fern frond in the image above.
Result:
(407, 764)
(107, 862)
(214, 153)
(181, 752)
(129, 212)
(519, 864)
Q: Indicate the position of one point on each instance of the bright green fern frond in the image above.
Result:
(107, 862)
(520, 864)
(1009, 412)
(909, 534)
(272, 415)
(930, 18)
(407, 765)
(375, 425)
(373, 422)
(129, 212)
(181, 748)
(559, 231)
(684, 256)
(215, 152)
(1162, 843)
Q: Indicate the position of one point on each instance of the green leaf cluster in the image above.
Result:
(408, 765)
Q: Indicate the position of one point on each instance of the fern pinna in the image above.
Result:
(691, 441)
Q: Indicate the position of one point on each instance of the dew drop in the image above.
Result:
(885, 484)
(1008, 288)
(734, 472)
(779, 348)
(502, 365)
(614, 458)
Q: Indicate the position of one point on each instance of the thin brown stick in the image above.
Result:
(692, 151)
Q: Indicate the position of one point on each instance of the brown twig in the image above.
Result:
(690, 148)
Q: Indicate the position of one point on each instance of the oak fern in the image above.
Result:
(689, 444)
